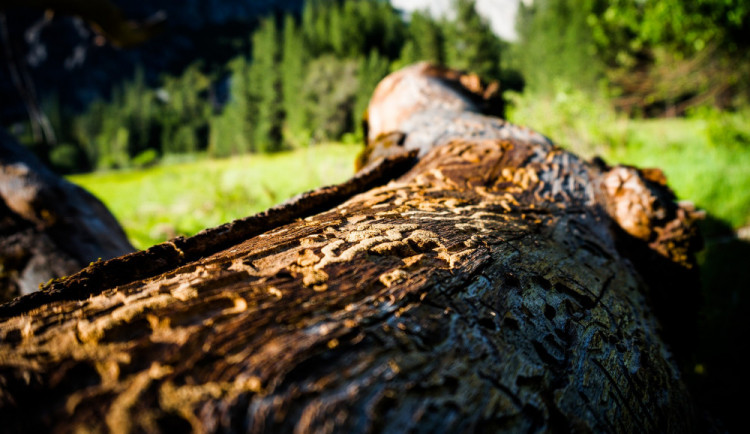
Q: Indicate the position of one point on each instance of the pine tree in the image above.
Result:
(307, 27)
(556, 42)
(293, 60)
(140, 113)
(470, 43)
(371, 70)
(426, 41)
(353, 28)
(265, 88)
(391, 32)
(232, 130)
(315, 26)
(185, 112)
(408, 55)
(427, 37)
(336, 30)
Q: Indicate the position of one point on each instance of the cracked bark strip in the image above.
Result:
(491, 287)
(181, 250)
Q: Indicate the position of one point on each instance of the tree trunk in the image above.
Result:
(497, 283)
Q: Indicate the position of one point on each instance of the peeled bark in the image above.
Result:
(498, 283)
(49, 228)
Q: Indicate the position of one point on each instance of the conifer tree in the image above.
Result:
(316, 26)
(427, 37)
(371, 70)
(391, 32)
(426, 41)
(293, 60)
(232, 130)
(139, 106)
(354, 26)
(265, 88)
(185, 113)
(555, 41)
(470, 43)
(307, 26)
(336, 30)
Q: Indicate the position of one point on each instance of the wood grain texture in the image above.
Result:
(494, 286)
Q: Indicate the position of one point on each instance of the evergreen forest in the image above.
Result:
(302, 79)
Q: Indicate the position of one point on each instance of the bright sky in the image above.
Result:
(501, 13)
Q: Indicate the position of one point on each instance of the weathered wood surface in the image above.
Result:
(49, 228)
(501, 283)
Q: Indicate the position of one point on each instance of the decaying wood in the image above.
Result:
(500, 283)
(49, 227)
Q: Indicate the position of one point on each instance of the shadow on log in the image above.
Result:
(496, 283)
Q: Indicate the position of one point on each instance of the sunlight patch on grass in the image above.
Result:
(161, 202)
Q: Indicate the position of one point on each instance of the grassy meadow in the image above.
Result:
(184, 197)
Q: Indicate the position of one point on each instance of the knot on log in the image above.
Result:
(643, 206)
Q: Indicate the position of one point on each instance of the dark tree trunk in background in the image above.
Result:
(49, 227)
(497, 283)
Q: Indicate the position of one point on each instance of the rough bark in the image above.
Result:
(500, 283)
(49, 228)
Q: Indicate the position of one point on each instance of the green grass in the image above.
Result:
(182, 198)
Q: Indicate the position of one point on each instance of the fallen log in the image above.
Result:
(493, 282)
(49, 227)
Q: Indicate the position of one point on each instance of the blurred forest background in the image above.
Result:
(281, 87)
(653, 83)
